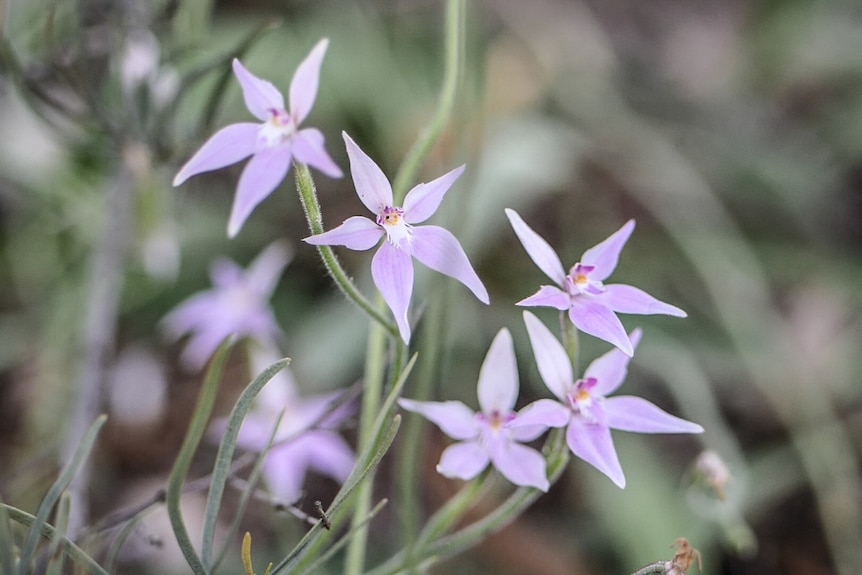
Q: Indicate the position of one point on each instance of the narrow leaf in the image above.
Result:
(197, 427)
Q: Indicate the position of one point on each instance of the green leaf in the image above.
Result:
(50, 499)
(221, 469)
(197, 427)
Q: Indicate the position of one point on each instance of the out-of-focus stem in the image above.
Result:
(99, 327)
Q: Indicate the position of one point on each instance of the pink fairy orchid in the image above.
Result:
(306, 439)
(589, 414)
(490, 436)
(591, 304)
(392, 266)
(273, 144)
(237, 305)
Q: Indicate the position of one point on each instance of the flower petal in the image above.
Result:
(438, 249)
(521, 465)
(260, 96)
(629, 299)
(284, 469)
(303, 87)
(225, 273)
(593, 317)
(548, 296)
(605, 255)
(392, 272)
(261, 176)
(463, 460)
(308, 148)
(453, 417)
(422, 201)
(264, 272)
(498, 377)
(371, 184)
(551, 358)
(330, 455)
(610, 369)
(356, 233)
(227, 146)
(636, 414)
(542, 254)
(593, 444)
(538, 416)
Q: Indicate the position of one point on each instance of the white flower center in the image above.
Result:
(398, 231)
(277, 130)
(578, 281)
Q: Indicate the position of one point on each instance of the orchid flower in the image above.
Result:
(591, 304)
(237, 305)
(392, 266)
(489, 436)
(272, 144)
(589, 413)
(305, 440)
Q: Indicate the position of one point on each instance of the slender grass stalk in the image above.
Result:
(48, 532)
(221, 468)
(197, 427)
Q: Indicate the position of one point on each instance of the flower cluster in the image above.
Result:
(497, 432)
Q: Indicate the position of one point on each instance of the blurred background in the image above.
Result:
(731, 131)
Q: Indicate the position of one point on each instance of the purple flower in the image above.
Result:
(589, 413)
(489, 435)
(237, 305)
(305, 439)
(273, 144)
(392, 266)
(591, 304)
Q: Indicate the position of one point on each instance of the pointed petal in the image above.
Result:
(628, 299)
(260, 96)
(548, 296)
(521, 465)
(636, 414)
(542, 254)
(225, 273)
(422, 201)
(392, 271)
(264, 272)
(463, 460)
(542, 413)
(593, 317)
(227, 146)
(605, 255)
(266, 169)
(438, 249)
(610, 369)
(453, 417)
(551, 358)
(371, 184)
(498, 377)
(308, 148)
(329, 455)
(593, 444)
(356, 233)
(284, 470)
(303, 87)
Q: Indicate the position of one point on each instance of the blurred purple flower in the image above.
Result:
(305, 440)
(237, 305)
(489, 435)
(392, 266)
(591, 415)
(592, 305)
(272, 144)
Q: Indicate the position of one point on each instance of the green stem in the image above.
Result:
(455, 10)
(569, 335)
(308, 197)
(374, 370)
